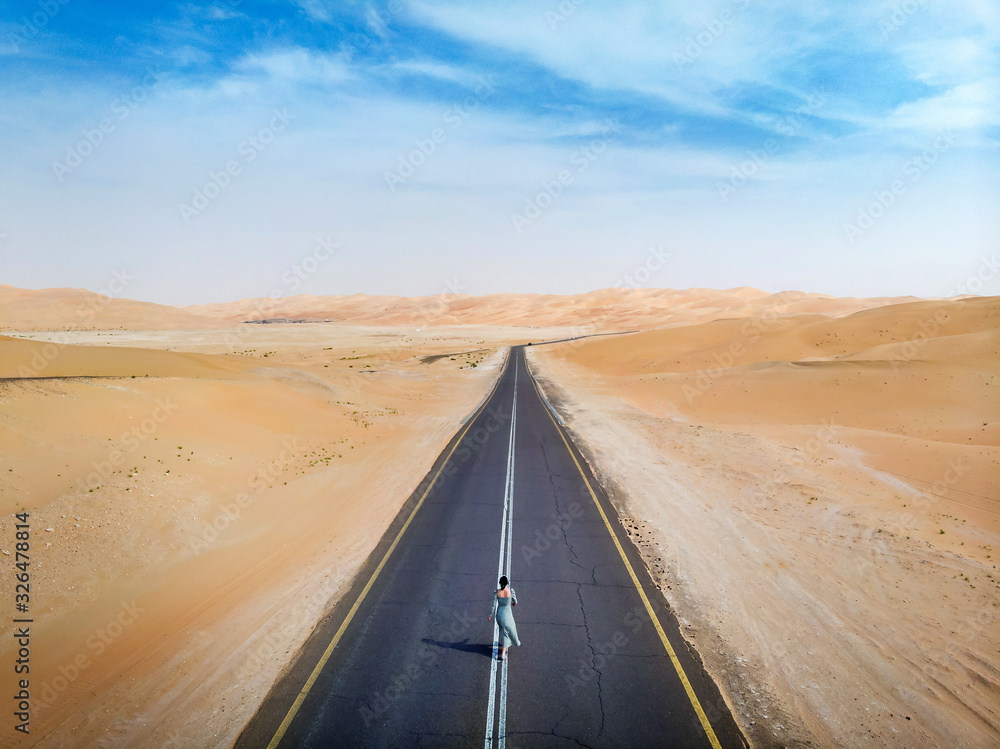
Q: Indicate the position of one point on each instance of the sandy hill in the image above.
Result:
(606, 309)
(225, 498)
(32, 359)
(922, 369)
(891, 332)
(820, 496)
(79, 309)
(817, 475)
(603, 310)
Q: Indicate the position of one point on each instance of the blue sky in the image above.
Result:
(210, 149)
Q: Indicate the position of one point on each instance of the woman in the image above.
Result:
(505, 600)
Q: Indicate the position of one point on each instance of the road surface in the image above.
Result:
(407, 658)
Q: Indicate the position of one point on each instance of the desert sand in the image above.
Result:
(198, 499)
(813, 479)
(606, 310)
(79, 309)
(820, 499)
(600, 311)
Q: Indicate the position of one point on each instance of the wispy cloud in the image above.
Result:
(296, 66)
(320, 10)
(432, 69)
(740, 60)
(809, 107)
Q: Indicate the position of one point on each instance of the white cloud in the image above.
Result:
(325, 173)
(187, 55)
(318, 10)
(212, 12)
(694, 56)
(682, 55)
(969, 106)
(297, 65)
(220, 13)
(942, 61)
(434, 70)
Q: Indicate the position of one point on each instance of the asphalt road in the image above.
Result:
(407, 658)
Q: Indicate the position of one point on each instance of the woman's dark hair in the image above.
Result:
(504, 581)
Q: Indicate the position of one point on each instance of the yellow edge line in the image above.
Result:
(642, 594)
(280, 733)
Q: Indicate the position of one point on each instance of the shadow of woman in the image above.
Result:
(465, 646)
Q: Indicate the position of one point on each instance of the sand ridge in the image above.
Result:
(814, 480)
(597, 311)
(603, 310)
(190, 526)
(79, 309)
(821, 504)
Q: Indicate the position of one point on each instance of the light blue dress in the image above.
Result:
(502, 610)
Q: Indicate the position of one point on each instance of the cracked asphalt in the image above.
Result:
(412, 667)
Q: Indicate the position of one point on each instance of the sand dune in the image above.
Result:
(924, 369)
(791, 459)
(79, 309)
(792, 337)
(598, 311)
(35, 358)
(190, 526)
(604, 310)
(821, 498)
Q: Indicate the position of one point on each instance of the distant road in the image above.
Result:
(407, 657)
(588, 335)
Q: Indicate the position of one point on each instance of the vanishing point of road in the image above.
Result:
(407, 657)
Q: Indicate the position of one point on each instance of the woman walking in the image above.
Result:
(503, 604)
